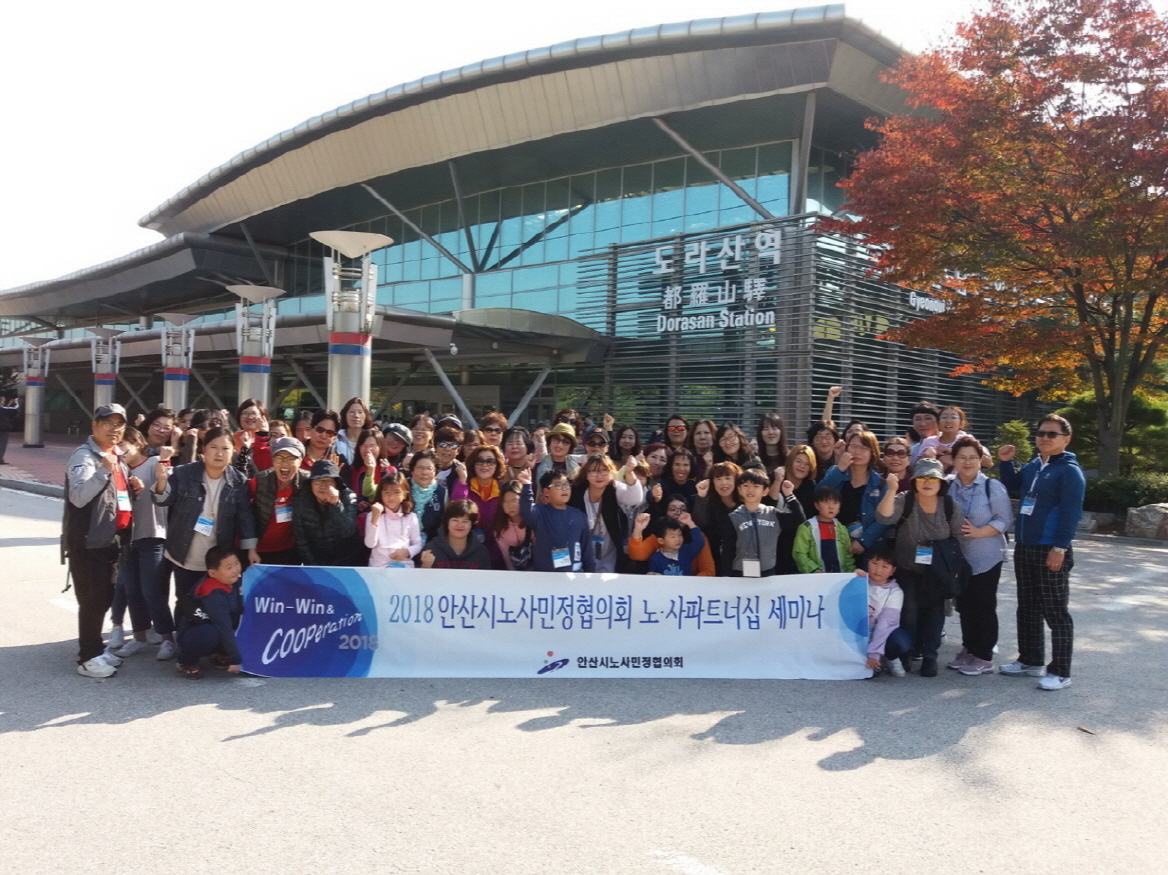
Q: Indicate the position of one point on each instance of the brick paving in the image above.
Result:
(42, 464)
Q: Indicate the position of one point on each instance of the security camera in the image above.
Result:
(453, 349)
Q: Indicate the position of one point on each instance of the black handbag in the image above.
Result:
(950, 571)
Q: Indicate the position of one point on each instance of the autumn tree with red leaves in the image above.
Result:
(1028, 189)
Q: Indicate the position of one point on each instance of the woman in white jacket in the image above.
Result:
(391, 530)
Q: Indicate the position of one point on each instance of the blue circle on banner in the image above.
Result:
(307, 622)
(853, 611)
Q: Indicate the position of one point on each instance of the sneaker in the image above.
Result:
(166, 651)
(928, 668)
(96, 668)
(153, 637)
(1017, 669)
(110, 658)
(960, 660)
(974, 666)
(1053, 682)
(132, 646)
(117, 638)
(895, 668)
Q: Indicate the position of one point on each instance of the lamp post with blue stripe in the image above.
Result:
(106, 351)
(178, 351)
(255, 338)
(36, 368)
(350, 284)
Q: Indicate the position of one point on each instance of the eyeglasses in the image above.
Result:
(488, 460)
(447, 445)
(493, 429)
(928, 479)
(898, 453)
(560, 485)
(328, 432)
(597, 443)
(113, 426)
(1051, 434)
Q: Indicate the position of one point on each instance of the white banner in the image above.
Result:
(385, 622)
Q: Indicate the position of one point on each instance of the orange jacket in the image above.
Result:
(641, 550)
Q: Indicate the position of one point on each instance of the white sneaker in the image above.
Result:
(1017, 669)
(132, 646)
(110, 658)
(166, 651)
(96, 668)
(1054, 682)
(117, 638)
(895, 668)
(153, 637)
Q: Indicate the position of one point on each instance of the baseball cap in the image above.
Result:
(109, 410)
(288, 445)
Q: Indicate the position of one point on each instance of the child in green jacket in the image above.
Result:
(822, 544)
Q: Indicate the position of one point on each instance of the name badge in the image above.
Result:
(856, 530)
(124, 501)
(561, 558)
(284, 514)
(751, 568)
(924, 555)
(1027, 506)
(205, 526)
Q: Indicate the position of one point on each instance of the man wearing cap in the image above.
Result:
(273, 495)
(1050, 489)
(595, 441)
(96, 523)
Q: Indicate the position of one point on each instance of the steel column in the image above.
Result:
(106, 351)
(255, 335)
(178, 350)
(351, 295)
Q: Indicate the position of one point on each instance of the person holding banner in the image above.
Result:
(456, 546)
(209, 614)
(563, 539)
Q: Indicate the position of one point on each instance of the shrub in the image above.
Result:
(1116, 494)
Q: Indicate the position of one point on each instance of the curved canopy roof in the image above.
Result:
(586, 84)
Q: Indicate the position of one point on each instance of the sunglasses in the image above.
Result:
(899, 453)
(447, 445)
(597, 443)
(677, 428)
(489, 460)
(493, 429)
(928, 479)
(568, 420)
(325, 431)
(1050, 434)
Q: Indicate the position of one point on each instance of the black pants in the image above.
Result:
(923, 612)
(93, 573)
(1042, 598)
(978, 607)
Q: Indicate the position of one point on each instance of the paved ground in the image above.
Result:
(41, 464)
(147, 772)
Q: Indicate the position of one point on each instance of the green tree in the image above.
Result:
(1144, 445)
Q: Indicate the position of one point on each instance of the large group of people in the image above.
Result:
(183, 496)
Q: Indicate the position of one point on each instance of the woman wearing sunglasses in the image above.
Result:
(485, 467)
(321, 439)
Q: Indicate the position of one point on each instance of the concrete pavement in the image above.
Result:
(148, 772)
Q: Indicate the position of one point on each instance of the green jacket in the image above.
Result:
(806, 551)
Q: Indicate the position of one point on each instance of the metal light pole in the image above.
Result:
(255, 337)
(36, 368)
(350, 284)
(106, 351)
(178, 351)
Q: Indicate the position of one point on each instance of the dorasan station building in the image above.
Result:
(622, 224)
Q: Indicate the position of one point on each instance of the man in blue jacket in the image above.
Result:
(1050, 490)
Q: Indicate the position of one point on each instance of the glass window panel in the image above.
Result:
(637, 181)
(495, 283)
(535, 278)
(733, 210)
(608, 185)
(740, 164)
(542, 302)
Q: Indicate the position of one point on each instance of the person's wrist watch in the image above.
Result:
(1059, 550)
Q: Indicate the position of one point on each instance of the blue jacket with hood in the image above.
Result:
(1057, 489)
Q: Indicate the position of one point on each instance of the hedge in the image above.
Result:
(1116, 494)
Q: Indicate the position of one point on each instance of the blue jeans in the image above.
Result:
(147, 593)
